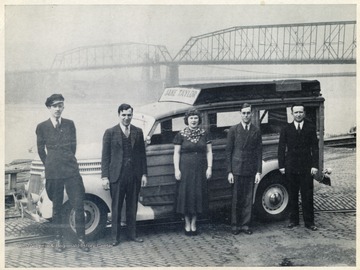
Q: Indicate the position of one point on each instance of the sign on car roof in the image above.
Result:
(180, 94)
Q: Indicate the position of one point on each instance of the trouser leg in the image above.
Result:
(76, 193)
(117, 192)
(246, 196)
(235, 205)
(131, 209)
(294, 187)
(307, 199)
(55, 191)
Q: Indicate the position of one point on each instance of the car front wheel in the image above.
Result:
(95, 217)
(272, 198)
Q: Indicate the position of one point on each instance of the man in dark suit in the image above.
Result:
(298, 155)
(244, 167)
(56, 144)
(124, 170)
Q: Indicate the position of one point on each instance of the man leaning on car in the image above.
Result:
(56, 144)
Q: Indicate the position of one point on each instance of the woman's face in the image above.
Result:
(193, 121)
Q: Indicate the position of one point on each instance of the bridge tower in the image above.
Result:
(172, 75)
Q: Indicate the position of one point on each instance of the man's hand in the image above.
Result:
(178, 175)
(105, 183)
(314, 171)
(231, 178)
(257, 178)
(282, 170)
(208, 172)
(143, 181)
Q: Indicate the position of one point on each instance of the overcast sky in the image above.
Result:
(34, 34)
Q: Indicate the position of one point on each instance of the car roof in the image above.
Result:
(220, 92)
(216, 93)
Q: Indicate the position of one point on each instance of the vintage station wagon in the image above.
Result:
(219, 105)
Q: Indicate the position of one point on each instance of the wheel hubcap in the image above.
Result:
(275, 199)
(92, 217)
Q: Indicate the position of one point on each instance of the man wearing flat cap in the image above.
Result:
(56, 143)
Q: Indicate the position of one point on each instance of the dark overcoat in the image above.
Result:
(57, 148)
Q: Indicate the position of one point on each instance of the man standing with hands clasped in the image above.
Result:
(123, 171)
(244, 167)
(298, 155)
(56, 144)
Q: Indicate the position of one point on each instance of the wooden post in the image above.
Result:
(12, 180)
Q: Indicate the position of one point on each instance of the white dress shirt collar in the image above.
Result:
(123, 128)
(53, 121)
(244, 125)
(297, 123)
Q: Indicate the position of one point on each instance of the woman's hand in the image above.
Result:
(178, 175)
(208, 172)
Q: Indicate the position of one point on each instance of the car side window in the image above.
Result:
(272, 120)
(166, 130)
(220, 122)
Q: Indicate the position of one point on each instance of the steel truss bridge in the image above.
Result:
(307, 43)
(310, 43)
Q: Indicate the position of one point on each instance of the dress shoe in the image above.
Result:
(137, 240)
(292, 225)
(193, 233)
(246, 231)
(311, 227)
(235, 232)
(187, 233)
(83, 246)
(115, 243)
(59, 245)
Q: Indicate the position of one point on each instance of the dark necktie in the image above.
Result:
(247, 127)
(57, 126)
(298, 128)
(127, 132)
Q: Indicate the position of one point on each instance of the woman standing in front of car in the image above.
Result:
(193, 165)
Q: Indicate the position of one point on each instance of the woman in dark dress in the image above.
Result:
(193, 165)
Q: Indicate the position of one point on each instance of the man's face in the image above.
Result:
(126, 116)
(298, 113)
(56, 110)
(246, 115)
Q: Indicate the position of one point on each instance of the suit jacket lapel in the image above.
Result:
(118, 134)
(132, 135)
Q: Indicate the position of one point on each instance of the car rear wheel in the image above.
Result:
(95, 217)
(272, 198)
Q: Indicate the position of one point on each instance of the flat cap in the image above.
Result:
(54, 99)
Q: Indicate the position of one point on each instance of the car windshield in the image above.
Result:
(143, 121)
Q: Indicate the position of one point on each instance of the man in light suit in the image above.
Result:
(244, 167)
(56, 144)
(298, 155)
(124, 170)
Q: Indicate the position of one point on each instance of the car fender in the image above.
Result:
(93, 186)
(267, 167)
